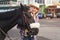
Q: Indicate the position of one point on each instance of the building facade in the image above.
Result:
(53, 6)
(43, 3)
(51, 2)
(5, 3)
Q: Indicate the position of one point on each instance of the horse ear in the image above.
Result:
(21, 6)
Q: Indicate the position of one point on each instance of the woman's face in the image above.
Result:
(31, 8)
(34, 10)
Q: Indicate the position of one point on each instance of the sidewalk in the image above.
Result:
(49, 30)
(49, 33)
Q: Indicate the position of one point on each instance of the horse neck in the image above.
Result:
(9, 23)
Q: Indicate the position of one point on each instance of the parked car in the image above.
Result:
(40, 15)
(58, 15)
(49, 15)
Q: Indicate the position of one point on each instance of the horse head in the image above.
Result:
(9, 19)
(29, 21)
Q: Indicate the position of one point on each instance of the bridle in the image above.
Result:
(26, 20)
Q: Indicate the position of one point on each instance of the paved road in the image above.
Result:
(49, 30)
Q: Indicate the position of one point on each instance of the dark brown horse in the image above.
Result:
(11, 18)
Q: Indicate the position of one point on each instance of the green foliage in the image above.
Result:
(43, 9)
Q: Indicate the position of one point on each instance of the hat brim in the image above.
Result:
(34, 6)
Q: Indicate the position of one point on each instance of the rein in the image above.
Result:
(5, 34)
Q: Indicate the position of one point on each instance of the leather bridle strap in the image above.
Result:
(5, 34)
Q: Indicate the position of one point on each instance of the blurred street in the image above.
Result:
(49, 30)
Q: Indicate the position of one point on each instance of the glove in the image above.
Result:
(35, 25)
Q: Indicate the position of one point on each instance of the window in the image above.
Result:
(37, 1)
(4, 1)
(59, 1)
(40, 1)
(14, 0)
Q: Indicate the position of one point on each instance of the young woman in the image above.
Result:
(34, 9)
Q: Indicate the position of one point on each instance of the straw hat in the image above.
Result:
(35, 5)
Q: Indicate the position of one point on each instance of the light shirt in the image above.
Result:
(35, 17)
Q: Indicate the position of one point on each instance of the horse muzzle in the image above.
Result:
(34, 28)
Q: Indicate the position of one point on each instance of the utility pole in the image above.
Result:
(28, 1)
